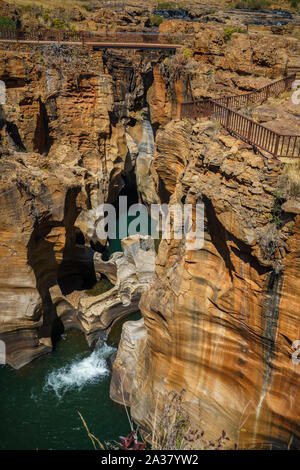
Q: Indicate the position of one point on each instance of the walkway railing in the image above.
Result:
(278, 145)
(121, 37)
(255, 134)
(258, 96)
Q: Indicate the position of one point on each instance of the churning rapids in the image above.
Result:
(40, 402)
(80, 372)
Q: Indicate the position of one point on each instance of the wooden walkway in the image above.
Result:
(223, 110)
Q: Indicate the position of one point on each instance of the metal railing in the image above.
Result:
(122, 37)
(258, 96)
(278, 145)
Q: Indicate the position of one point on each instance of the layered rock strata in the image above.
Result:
(219, 322)
(70, 140)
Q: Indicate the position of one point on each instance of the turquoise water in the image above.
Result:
(39, 403)
(115, 244)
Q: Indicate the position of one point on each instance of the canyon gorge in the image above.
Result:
(80, 128)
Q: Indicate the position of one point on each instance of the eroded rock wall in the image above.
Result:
(71, 133)
(219, 322)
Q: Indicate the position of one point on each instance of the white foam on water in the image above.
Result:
(80, 372)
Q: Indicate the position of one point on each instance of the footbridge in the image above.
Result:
(96, 40)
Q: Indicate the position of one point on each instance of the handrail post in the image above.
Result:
(250, 131)
(276, 145)
(228, 117)
(209, 108)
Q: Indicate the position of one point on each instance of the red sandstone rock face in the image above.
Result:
(220, 321)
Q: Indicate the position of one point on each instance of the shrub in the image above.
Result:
(6, 22)
(59, 23)
(156, 20)
(45, 16)
(252, 4)
(188, 53)
(276, 211)
(65, 59)
(228, 32)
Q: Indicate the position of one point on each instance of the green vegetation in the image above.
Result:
(156, 20)
(276, 211)
(187, 53)
(253, 4)
(59, 23)
(45, 16)
(228, 32)
(6, 22)
(45, 167)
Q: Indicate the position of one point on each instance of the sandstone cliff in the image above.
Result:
(219, 322)
(72, 134)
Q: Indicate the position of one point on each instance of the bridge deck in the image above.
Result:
(133, 45)
(101, 45)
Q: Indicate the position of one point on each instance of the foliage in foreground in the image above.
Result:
(172, 430)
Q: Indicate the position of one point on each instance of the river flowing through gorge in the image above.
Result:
(40, 402)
